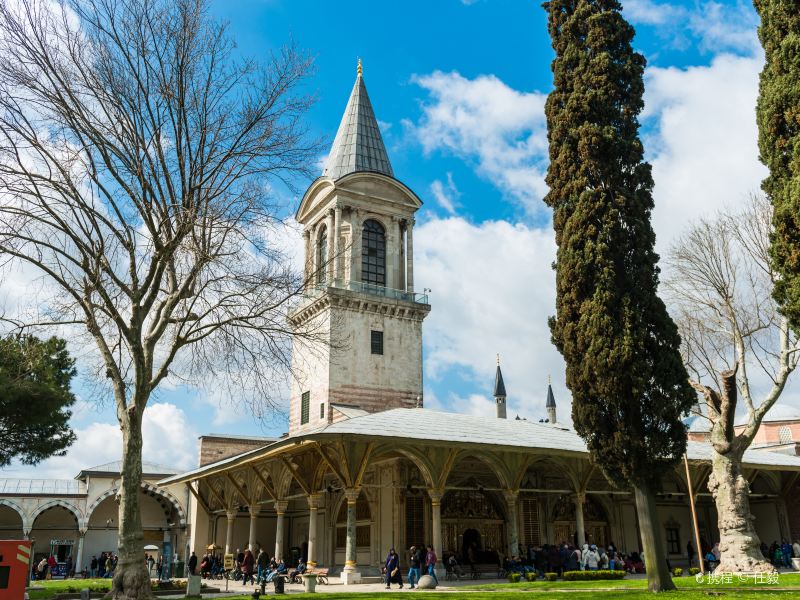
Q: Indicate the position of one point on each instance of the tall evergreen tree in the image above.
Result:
(629, 386)
(778, 116)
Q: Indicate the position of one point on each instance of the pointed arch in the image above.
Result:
(145, 488)
(63, 504)
(17, 509)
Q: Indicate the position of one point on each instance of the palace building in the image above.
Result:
(365, 467)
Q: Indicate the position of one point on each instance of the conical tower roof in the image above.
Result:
(551, 400)
(358, 145)
(499, 385)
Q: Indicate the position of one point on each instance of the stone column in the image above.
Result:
(511, 497)
(580, 498)
(436, 527)
(401, 272)
(78, 565)
(231, 515)
(251, 538)
(280, 509)
(355, 245)
(309, 259)
(313, 506)
(349, 573)
(337, 249)
(410, 256)
(331, 233)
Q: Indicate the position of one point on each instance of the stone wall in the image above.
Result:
(214, 448)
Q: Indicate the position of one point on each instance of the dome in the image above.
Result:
(697, 424)
(779, 412)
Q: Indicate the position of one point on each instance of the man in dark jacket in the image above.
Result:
(414, 563)
(192, 563)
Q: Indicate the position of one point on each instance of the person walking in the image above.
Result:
(430, 563)
(248, 564)
(93, 567)
(414, 562)
(392, 569)
(262, 562)
(192, 563)
(592, 559)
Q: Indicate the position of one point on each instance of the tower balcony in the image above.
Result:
(373, 290)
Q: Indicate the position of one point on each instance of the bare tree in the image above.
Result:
(136, 153)
(720, 279)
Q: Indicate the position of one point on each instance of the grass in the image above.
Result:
(508, 595)
(60, 586)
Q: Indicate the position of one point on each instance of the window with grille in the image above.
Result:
(785, 435)
(529, 509)
(415, 521)
(373, 253)
(322, 256)
(376, 341)
(673, 540)
(305, 400)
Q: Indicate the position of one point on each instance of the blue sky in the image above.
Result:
(459, 87)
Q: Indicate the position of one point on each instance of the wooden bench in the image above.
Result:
(479, 571)
(322, 575)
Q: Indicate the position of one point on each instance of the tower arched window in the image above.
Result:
(373, 253)
(322, 255)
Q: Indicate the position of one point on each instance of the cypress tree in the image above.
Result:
(778, 115)
(629, 386)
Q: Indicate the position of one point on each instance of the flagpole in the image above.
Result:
(694, 516)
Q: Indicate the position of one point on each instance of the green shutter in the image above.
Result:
(304, 402)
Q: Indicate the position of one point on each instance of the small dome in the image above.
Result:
(779, 412)
(697, 424)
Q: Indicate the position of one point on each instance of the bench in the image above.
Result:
(322, 574)
(479, 571)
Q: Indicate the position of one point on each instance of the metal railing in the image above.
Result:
(372, 290)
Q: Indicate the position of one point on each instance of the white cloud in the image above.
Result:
(647, 12)
(493, 290)
(484, 121)
(446, 194)
(702, 140)
(168, 440)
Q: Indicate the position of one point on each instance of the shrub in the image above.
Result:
(530, 576)
(677, 572)
(693, 571)
(592, 575)
(551, 576)
(514, 577)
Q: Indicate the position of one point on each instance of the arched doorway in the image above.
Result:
(11, 523)
(595, 521)
(473, 525)
(55, 531)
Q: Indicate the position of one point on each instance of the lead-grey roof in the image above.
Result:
(499, 385)
(39, 487)
(358, 145)
(551, 400)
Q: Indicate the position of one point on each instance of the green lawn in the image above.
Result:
(501, 595)
(51, 588)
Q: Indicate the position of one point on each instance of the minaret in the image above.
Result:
(551, 403)
(358, 225)
(500, 392)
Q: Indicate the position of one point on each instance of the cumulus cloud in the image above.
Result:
(500, 130)
(493, 290)
(168, 440)
(446, 194)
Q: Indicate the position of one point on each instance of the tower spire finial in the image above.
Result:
(549, 381)
(498, 359)
(359, 69)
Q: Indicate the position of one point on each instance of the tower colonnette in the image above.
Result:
(358, 346)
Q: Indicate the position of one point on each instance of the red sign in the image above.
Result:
(15, 560)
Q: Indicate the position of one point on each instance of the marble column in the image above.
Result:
(410, 256)
(401, 272)
(580, 498)
(355, 245)
(308, 273)
(231, 515)
(511, 497)
(78, 565)
(251, 538)
(280, 509)
(436, 527)
(349, 573)
(337, 249)
(331, 233)
(313, 507)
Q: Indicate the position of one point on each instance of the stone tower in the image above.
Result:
(499, 392)
(551, 403)
(358, 223)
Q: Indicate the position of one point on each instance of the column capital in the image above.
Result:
(580, 497)
(281, 506)
(511, 496)
(231, 514)
(82, 532)
(314, 500)
(435, 495)
(254, 510)
(352, 494)
(307, 233)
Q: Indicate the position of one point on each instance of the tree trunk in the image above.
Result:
(131, 580)
(655, 560)
(739, 544)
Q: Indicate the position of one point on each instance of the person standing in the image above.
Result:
(150, 562)
(796, 548)
(392, 569)
(192, 563)
(262, 561)
(93, 567)
(430, 563)
(690, 552)
(248, 563)
(414, 562)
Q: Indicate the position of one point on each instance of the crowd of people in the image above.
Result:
(248, 568)
(781, 554)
